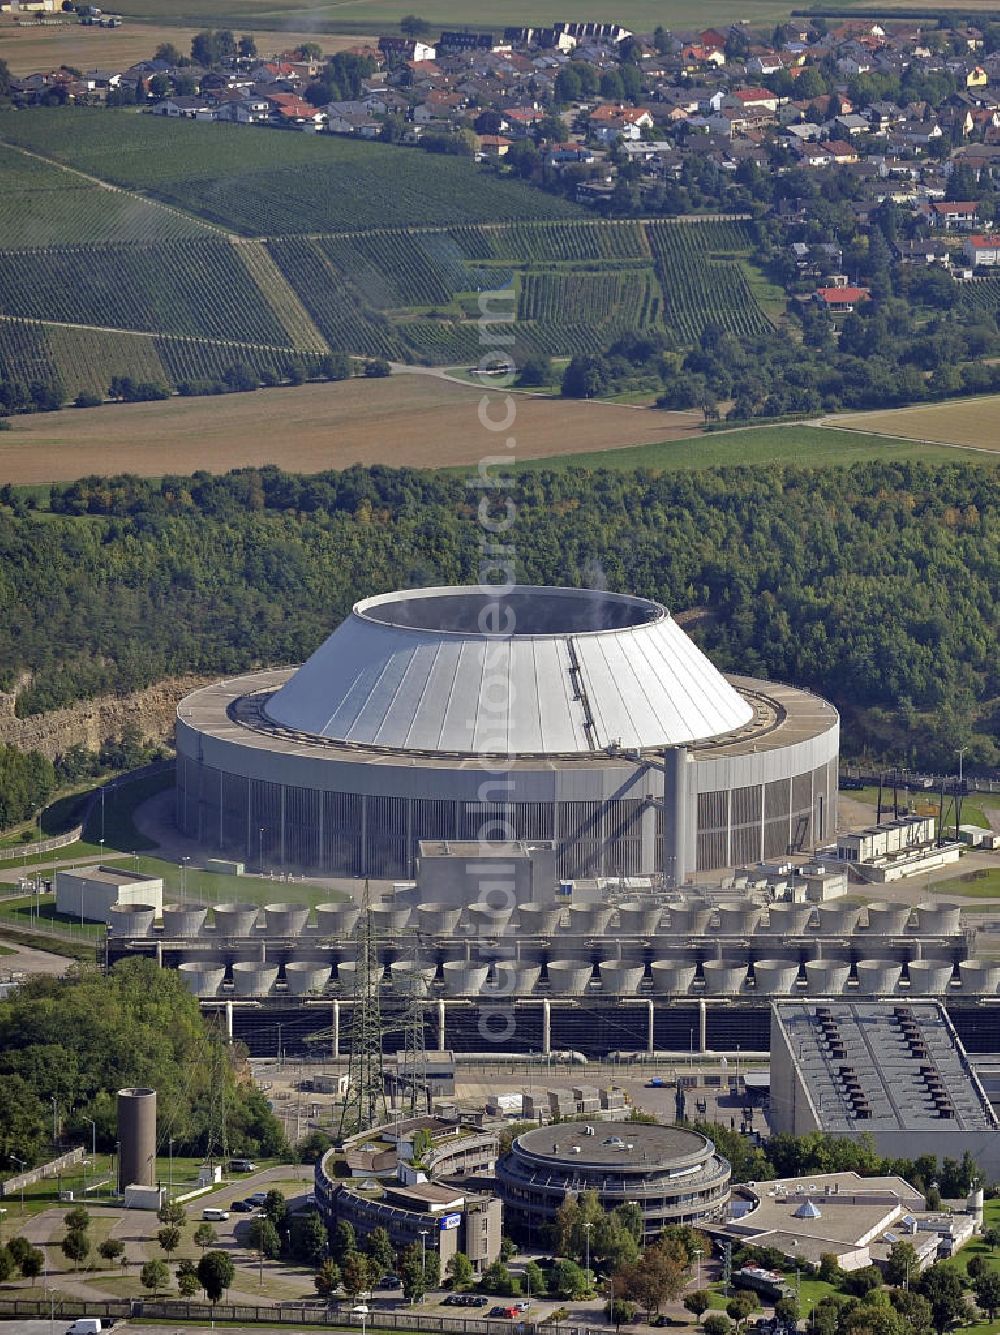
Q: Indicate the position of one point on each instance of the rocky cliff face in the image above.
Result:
(92, 722)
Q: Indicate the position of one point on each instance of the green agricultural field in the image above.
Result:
(270, 182)
(301, 271)
(372, 16)
(808, 446)
(43, 205)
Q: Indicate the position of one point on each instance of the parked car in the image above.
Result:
(243, 1207)
(391, 1282)
(257, 1198)
(242, 1166)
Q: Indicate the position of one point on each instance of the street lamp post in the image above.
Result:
(93, 1137)
(697, 1263)
(586, 1245)
(260, 849)
(55, 1121)
(170, 1169)
(184, 862)
(423, 1254)
(22, 1164)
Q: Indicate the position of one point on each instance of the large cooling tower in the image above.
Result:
(183, 921)
(306, 976)
(253, 979)
(689, 919)
(485, 920)
(136, 1138)
(724, 977)
(235, 920)
(513, 980)
(639, 917)
(878, 978)
(337, 920)
(836, 919)
(619, 978)
(775, 977)
(671, 977)
(930, 978)
(570, 977)
(539, 919)
(787, 919)
(202, 977)
(980, 977)
(131, 920)
(438, 919)
(739, 919)
(939, 918)
(886, 919)
(286, 919)
(589, 919)
(462, 979)
(826, 978)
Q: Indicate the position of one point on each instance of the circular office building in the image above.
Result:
(584, 719)
(673, 1174)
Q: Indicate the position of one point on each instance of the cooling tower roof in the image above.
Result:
(536, 671)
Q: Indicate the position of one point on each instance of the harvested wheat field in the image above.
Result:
(28, 47)
(416, 420)
(972, 423)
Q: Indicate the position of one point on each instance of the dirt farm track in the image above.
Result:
(416, 420)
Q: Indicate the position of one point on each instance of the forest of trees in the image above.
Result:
(81, 1038)
(875, 585)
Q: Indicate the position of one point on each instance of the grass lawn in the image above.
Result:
(926, 799)
(974, 885)
(810, 446)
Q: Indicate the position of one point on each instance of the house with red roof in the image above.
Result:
(982, 250)
(842, 300)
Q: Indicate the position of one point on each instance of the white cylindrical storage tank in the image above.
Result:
(672, 976)
(689, 919)
(886, 919)
(639, 917)
(826, 978)
(836, 919)
(235, 920)
(305, 976)
(724, 977)
(939, 918)
(775, 977)
(589, 919)
(131, 920)
(286, 919)
(619, 978)
(787, 919)
(739, 919)
(538, 919)
(980, 977)
(511, 979)
(570, 977)
(337, 920)
(462, 979)
(346, 973)
(406, 973)
(878, 977)
(390, 918)
(202, 977)
(929, 978)
(183, 920)
(438, 919)
(485, 920)
(253, 979)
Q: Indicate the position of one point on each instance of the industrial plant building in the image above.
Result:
(673, 1174)
(854, 1219)
(371, 1181)
(895, 1071)
(616, 741)
(110, 895)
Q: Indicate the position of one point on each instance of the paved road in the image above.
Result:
(26, 960)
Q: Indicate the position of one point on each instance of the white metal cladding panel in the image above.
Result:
(383, 685)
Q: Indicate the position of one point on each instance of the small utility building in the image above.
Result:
(90, 892)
